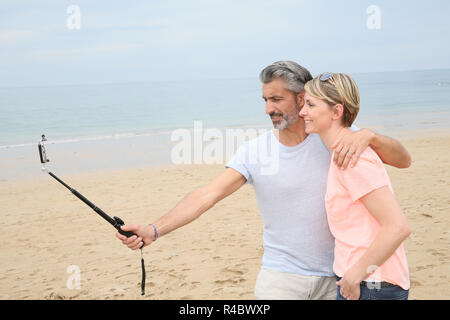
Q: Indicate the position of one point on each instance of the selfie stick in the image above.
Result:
(116, 221)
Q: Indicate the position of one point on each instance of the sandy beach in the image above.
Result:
(45, 230)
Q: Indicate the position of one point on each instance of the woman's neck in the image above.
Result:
(335, 132)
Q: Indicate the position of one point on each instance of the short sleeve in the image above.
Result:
(239, 162)
(367, 175)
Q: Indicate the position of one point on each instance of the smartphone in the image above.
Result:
(42, 152)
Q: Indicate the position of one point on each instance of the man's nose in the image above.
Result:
(269, 108)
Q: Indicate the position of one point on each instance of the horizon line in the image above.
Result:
(199, 80)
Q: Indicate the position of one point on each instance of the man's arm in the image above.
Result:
(187, 210)
(350, 147)
(390, 151)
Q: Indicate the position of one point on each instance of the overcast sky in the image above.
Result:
(128, 41)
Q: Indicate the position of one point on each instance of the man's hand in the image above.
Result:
(145, 234)
(350, 146)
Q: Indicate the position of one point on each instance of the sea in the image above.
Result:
(110, 126)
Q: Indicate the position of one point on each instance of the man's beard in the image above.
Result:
(287, 119)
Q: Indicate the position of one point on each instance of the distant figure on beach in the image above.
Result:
(364, 217)
(298, 245)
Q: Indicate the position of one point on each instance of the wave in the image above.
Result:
(95, 138)
(130, 135)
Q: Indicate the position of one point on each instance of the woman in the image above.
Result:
(363, 215)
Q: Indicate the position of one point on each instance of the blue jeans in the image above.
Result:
(389, 293)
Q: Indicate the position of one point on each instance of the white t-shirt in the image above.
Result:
(290, 185)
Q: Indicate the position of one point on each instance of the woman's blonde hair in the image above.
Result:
(338, 88)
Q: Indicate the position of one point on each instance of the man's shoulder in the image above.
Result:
(316, 142)
(267, 141)
(258, 140)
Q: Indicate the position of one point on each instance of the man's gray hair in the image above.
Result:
(292, 73)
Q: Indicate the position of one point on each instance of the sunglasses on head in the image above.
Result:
(326, 76)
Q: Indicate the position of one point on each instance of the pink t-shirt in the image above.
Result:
(352, 225)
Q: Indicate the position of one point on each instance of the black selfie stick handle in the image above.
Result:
(116, 222)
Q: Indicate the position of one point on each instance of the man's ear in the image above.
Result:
(301, 99)
(338, 111)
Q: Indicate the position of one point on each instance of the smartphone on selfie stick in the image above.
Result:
(116, 222)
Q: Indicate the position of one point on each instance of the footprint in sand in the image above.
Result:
(221, 282)
(442, 256)
(229, 281)
(194, 285)
(415, 283)
(55, 296)
(234, 270)
(428, 266)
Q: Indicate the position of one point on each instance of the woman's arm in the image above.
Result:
(382, 204)
(349, 148)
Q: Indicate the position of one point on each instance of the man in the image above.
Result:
(298, 246)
